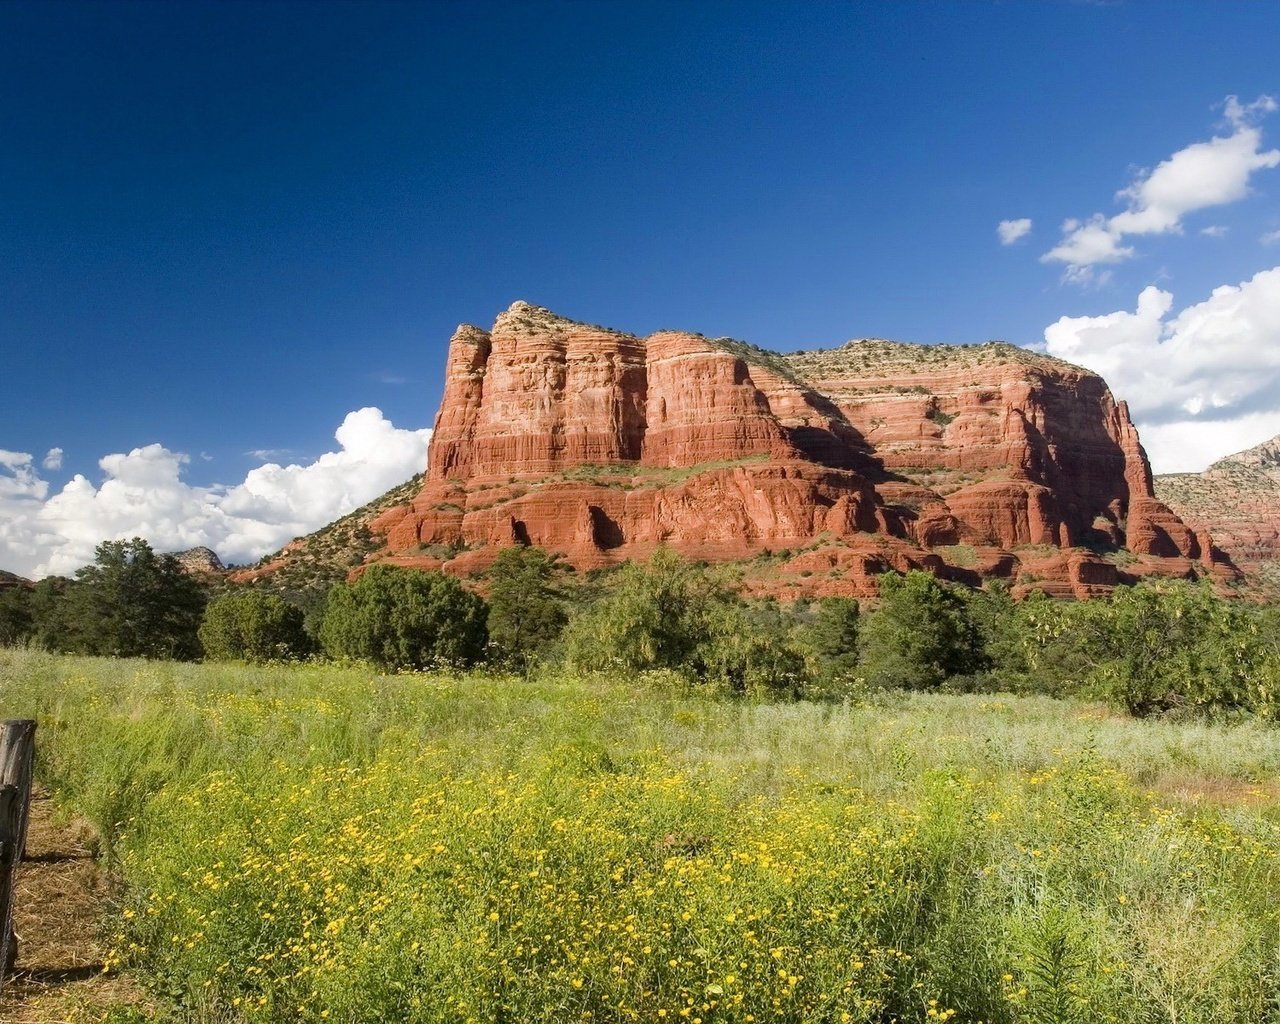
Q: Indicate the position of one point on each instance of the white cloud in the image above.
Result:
(1215, 231)
(1011, 230)
(1203, 175)
(142, 494)
(1200, 383)
(1271, 237)
(52, 459)
(1190, 446)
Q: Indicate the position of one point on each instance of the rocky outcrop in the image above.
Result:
(966, 460)
(10, 581)
(200, 561)
(1233, 506)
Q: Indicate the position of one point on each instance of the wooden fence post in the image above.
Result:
(17, 755)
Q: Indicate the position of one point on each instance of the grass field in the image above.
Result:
(317, 843)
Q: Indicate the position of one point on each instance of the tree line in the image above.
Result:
(1159, 647)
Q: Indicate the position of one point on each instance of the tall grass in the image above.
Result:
(315, 843)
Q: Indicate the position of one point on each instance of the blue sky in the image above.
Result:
(225, 227)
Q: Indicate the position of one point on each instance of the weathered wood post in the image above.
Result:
(17, 755)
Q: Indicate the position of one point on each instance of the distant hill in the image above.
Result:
(200, 561)
(313, 563)
(9, 580)
(1237, 501)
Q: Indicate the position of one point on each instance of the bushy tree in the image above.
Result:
(130, 602)
(919, 635)
(401, 618)
(655, 616)
(673, 614)
(751, 650)
(832, 639)
(47, 604)
(253, 626)
(17, 624)
(526, 611)
(1172, 644)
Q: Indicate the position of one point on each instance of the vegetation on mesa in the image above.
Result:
(877, 357)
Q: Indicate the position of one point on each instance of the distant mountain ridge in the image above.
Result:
(326, 556)
(1237, 501)
(9, 580)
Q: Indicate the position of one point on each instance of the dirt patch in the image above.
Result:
(61, 894)
(1221, 792)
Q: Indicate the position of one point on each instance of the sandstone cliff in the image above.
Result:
(1237, 502)
(822, 468)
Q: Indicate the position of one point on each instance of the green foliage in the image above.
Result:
(1054, 968)
(1161, 646)
(130, 602)
(749, 650)
(655, 616)
(17, 623)
(1173, 645)
(253, 626)
(919, 635)
(832, 639)
(47, 608)
(675, 615)
(526, 609)
(400, 618)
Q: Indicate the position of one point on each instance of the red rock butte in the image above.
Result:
(824, 468)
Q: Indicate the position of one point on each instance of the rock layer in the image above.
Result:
(965, 460)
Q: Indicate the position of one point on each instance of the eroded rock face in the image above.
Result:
(969, 461)
(1233, 506)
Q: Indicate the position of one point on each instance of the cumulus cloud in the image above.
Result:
(1271, 237)
(1201, 383)
(1203, 175)
(1192, 445)
(142, 494)
(52, 459)
(1011, 230)
(1215, 231)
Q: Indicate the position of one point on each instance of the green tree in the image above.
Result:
(130, 603)
(17, 623)
(655, 616)
(1172, 644)
(253, 626)
(750, 650)
(526, 611)
(832, 639)
(401, 618)
(919, 635)
(673, 614)
(47, 604)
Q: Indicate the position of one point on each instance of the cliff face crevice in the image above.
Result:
(602, 446)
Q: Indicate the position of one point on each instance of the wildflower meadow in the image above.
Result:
(316, 843)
